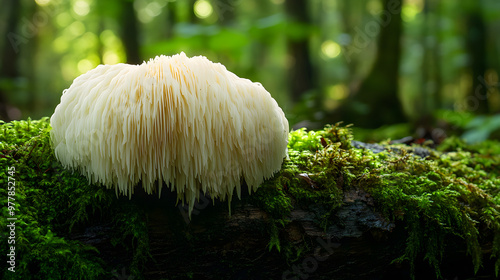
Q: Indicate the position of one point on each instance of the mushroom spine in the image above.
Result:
(186, 122)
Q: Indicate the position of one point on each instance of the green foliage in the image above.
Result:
(42, 201)
(454, 118)
(434, 203)
(49, 202)
(473, 129)
(130, 220)
(274, 232)
(481, 128)
(452, 194)
(393, 132)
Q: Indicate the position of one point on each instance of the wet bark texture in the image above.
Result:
(360, 244)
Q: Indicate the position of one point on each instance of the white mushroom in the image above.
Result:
(184, 121)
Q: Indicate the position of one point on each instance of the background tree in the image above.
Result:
(9, 55)
(431, 80)
(300, 71)
(476, 47)
(377, 99)
(130, 32)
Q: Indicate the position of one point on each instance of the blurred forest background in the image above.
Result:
(426, 68)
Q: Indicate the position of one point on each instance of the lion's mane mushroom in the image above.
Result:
(184, 121)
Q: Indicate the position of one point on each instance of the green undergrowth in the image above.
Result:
(50, 203)
(452, 194)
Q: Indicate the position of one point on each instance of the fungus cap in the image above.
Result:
(184, 121)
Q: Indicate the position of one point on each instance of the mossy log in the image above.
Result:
(338, 209)
(361, 244)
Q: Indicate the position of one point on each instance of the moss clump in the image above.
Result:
(42, 206)
(445, 194)
(49, 202)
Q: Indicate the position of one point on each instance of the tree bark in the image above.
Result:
(130, 32)
(477, 100)
(361, 244)
(428, 98)
(300, 73)
(429, 68)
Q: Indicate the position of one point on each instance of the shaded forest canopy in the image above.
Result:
(429, 202)
(370, 63)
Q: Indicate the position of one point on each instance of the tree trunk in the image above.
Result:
(300, 73)
(378, 93)
(10, 53)
(130, 32)
(428, 98)
(477, 100)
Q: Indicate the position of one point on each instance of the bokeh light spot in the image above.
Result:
(374, 7)
(85, 65)
(76, 28)
(203, 9)
(42, 2)
(338, 92)
(153, 9)
(60, 45)
(330, 49)
(81, 8)
(411, 9)
(64, 19)
(110, 57)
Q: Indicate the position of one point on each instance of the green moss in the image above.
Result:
(452, 193)
(41, 205)
(447, 194)
(132, 226)
(49, 202)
